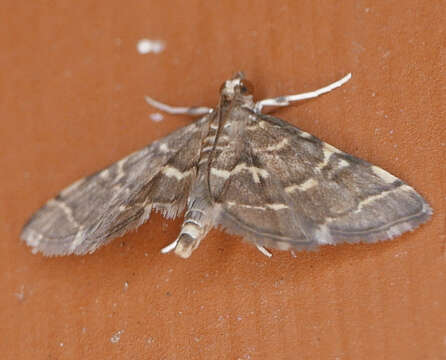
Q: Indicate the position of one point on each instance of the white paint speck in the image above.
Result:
(403, 253)
(157, 117)
(150, 340)
(21, 294)
(61, 344)
(146, 46)
(116, 336)
(126, 286)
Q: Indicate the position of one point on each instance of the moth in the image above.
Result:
(252, 174)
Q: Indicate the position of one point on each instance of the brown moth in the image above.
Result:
(252, 174)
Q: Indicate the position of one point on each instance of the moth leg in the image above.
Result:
(287, 100)
(192, 110)
(170, 247)
(264, 251)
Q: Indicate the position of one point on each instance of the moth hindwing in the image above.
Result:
(250, 173)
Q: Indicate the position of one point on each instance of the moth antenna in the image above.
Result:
(178, 110)
(287, 100)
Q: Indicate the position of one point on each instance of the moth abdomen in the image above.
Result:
(188, 240)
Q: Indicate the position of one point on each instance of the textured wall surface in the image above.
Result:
(71, 101)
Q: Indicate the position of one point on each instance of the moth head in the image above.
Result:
(237, 87)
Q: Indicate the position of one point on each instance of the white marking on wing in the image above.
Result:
(170, 171)
(342, 164)
(256, 124)
(263, 124)
(32, 237)
(259, 207)
(277, 206)
(67, 210)
(210, 139)
(254, 207)
(305, 135)
(192, 128)
(381, 195)
(323, 235)
(276, 147)
(164, 148)
(398, 230)
(384, 175)
(255, 172)
(207, 148)
(78, 239)
(327, 151)
(210, 147)
(104, 174)
(306, 185)
(120, 169)
(225, 174)
(72, 187)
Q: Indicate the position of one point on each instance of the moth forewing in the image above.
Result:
(107, 204)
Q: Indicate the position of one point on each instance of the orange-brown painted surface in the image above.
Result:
(71, 101)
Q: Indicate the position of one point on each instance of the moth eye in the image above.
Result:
(246, 87)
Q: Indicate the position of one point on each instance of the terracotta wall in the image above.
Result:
(71, 101)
